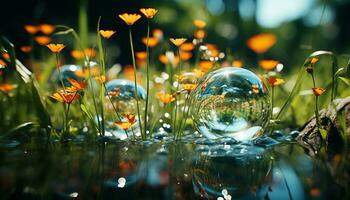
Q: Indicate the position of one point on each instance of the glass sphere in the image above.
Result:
(121, 99)
(231, 102)
(67, 72)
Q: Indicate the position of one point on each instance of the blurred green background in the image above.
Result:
(297, 23)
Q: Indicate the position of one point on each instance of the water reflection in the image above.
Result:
(204, 169)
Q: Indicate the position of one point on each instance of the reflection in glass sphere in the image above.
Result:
(67, 72)
(122, 100)
(231, 102)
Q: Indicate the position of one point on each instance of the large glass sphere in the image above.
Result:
(67, 72)
(231, 102)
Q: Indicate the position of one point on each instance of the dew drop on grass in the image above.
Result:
(231, 102)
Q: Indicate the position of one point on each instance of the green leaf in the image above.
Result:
(323, 134)
(345, 80)
(86, 111)
(43, 115)
(22, 127)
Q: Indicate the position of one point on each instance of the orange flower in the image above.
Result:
(165, 98)
(107, 33)
(42, 40)
(130, 117)
(188, 46)
(55, 48)
(189, 86)
(6, 56)
(200, 34)
(179, 78)
(314, 60)
(141, 55)
(315, 192)
(237, 63)
(199, 23)
(178, 41)
(318, 91)
(95, 71)
(262, 42)
(26, 49)
(268, 64)
(76, 54)
(6, 88)
(149, 12)
(123, 125)
(129, 19)
(164, 59)
(89, 52)
(157, 33)
(47, 29)
(65, 97)
(185, 55)
(78, 85)
(205, 65)
(100, 79)
(152, 41)
(255, 89)
(31, 29)
(273, 81)
(2, 63)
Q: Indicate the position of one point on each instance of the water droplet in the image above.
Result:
(231, 102)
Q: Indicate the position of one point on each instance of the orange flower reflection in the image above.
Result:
(262, 42)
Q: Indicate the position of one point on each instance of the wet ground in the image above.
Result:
(273, 167)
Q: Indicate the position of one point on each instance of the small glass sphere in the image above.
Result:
(231, 102)
(121, 100)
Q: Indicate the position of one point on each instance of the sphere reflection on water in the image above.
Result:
(231, 102)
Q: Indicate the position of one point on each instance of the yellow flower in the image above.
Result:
(42, 40)
(149, 12)
(318, 91)
(262, 42)
(26, 49)
(152, 41)
(205, 65)
(268, 64)
(198, 73)
(100, 79)
(6, 88)
(55, 48)
(90, 52)
(164, 59)
(273, 81)
(107, 33)
(165, 98)
(47, 29)
(129, 19)
(178, 41)
(199, 23)
(31, 29)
